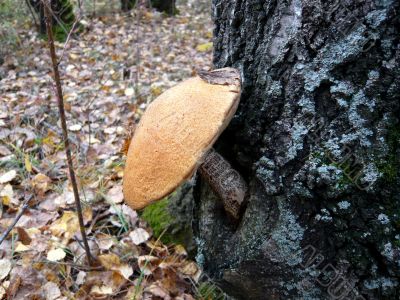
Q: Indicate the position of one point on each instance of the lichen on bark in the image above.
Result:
(316, 136)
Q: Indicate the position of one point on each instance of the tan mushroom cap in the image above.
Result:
(175, 132)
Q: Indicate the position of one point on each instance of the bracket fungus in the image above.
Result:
(175, 136)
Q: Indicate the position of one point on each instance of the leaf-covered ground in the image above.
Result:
(110, 72)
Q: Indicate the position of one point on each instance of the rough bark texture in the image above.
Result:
(317, 138)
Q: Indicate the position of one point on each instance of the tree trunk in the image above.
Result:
(165, 6)
(317, 138)
(127, 5)
(63, 17)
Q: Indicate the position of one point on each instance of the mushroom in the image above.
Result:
(174, 138)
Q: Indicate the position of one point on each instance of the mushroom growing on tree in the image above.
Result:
(175, 136)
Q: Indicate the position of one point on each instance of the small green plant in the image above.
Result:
(208, 291)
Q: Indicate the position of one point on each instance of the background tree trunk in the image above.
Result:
(127, 5)
(317, 137)
(165, 6)
(63, 17)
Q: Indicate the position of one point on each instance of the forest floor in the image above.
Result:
(110, 72)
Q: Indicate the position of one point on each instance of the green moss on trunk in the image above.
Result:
(164, 224)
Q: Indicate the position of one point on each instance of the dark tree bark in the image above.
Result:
(317, 138)
(127, 5)
(63, 17)
(165, 6)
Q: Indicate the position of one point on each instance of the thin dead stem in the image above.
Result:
(60, 102)
(77, 20)
(18, 216)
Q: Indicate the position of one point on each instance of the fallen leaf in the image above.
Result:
(4, 151)
(204, 47)
(7, 196)
(51, 291)
(2, 292)
(126, 271)
(109, 261)
(130, 214)
(80, 278)
(23, 236)
(19, 247)
(148, 263)
(28, 164)
(67, 225)
(56, 254)
(101, 290)
(129, 92)
(41, 183)
(115, 194)
(191, 269)
(157, 291)
(139, 236)
(104, 241)
(8, 176)
(5, 268)
(75, 127)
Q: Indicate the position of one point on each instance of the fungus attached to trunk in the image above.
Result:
(175, 136)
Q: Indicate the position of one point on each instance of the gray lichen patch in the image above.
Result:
(285, 241)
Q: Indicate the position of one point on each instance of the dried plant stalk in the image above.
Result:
(60, 101)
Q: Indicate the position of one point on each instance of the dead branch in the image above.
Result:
(17, 217)
(60, 102)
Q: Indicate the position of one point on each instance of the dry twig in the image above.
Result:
(60, 101)
(17, 217)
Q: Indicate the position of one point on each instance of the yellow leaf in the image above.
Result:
(6, 200)
(41, 183)
(204, 47)
(156, 91)
(21, 247)
(148, 15)
(7, 196)
(106, 88)
(49, 140)
(28, 164)
(110, 261)
(67, 225)
(209, 34)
